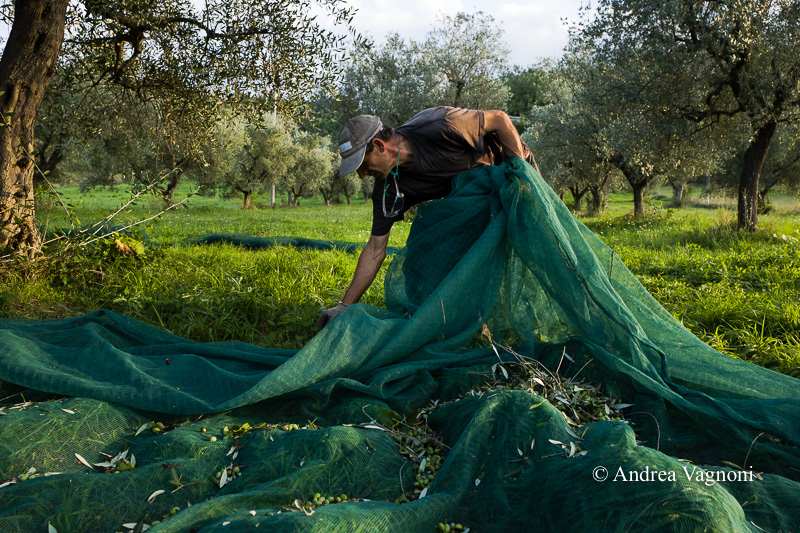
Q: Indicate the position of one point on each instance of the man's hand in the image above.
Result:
(369, 262)
(327, 315)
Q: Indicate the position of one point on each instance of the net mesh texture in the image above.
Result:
(709, 444)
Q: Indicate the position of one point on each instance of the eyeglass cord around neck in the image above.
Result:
(396, 172)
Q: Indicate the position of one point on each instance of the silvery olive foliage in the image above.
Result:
(231, 50)
(251, 156)
(461, 63)
(565, 136)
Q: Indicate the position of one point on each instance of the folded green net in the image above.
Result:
(710, 443)
(301, 243)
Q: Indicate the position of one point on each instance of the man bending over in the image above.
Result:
(415, 163)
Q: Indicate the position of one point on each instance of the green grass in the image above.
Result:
(739, 292)
(270, 297)
(206, 215)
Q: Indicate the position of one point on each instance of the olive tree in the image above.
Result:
(351, 185)
(468, 50)
(566, 137)
(310, 166)
(781, 165)
(246, 157)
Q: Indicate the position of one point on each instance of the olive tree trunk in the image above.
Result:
(577, 196)
(638, 198)
(26, 69)
(677, 193)
(638, 181)
(598, 202)
(754, 158)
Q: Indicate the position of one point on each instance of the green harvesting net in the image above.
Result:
(167, 434)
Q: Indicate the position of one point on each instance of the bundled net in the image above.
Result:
(300, 243)
(234, 437)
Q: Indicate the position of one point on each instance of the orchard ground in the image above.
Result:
(739, 292)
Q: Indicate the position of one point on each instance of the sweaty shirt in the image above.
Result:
(445, 141)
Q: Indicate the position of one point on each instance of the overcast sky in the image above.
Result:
(532, 29)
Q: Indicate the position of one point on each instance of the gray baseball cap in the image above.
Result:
(353, 141)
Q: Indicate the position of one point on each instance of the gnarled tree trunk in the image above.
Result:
(168, 190)
(638, 198)
(26, 69)
(638, 182)
(577, 196)
(597, 204)
(754, 158)
(677, 192)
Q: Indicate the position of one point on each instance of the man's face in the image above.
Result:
(378, 162)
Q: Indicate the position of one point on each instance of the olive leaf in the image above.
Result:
(154, 495)
(82, 460)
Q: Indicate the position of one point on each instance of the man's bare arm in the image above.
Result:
(369, 263)
(500, 124)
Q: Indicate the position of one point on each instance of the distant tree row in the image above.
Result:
(253, 157)
(675, 91)
(229, 154)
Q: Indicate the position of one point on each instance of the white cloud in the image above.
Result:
(448, 7)
(534, 30)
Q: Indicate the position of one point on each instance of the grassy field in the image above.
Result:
(738, 292)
